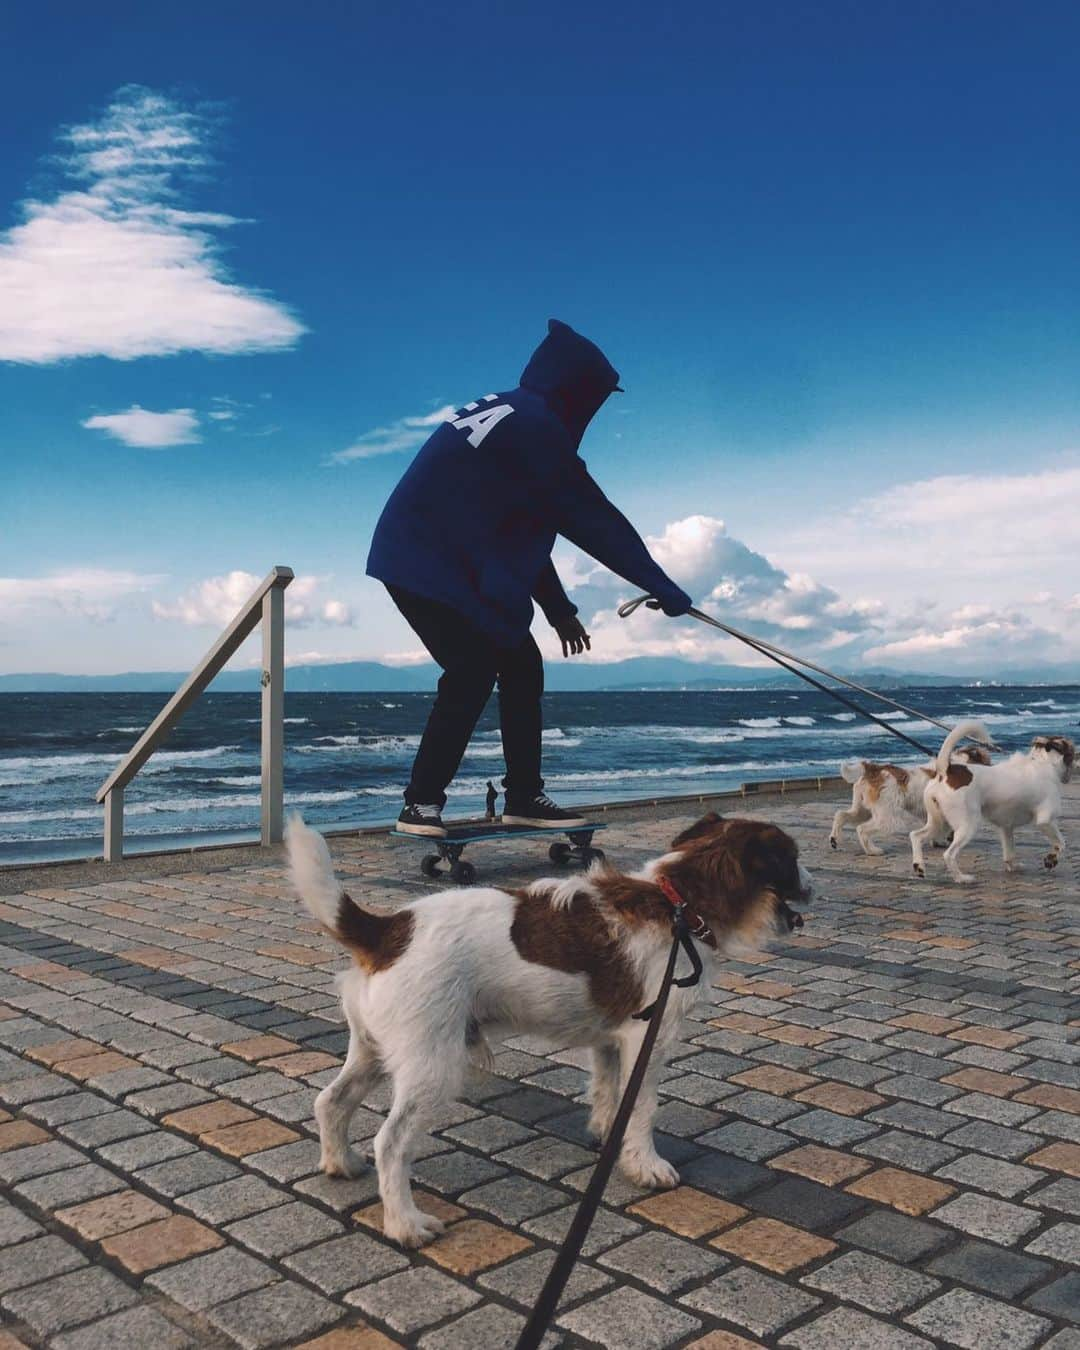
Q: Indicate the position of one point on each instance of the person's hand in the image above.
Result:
(573, 636)
(676, 602)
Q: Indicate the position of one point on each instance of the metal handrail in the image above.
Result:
(266, 604)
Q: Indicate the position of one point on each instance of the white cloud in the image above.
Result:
(113, 264)
(80, 592)
(216, 601)
(151, 430)
(405, 434)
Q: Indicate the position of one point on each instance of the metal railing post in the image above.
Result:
(266, 604)
(273, 714)
(114, 825)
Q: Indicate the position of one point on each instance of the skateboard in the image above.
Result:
(577, 846)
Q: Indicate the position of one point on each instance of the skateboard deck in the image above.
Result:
(576, 846)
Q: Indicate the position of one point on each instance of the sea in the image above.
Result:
(348, 755)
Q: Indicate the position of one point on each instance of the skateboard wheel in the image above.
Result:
(464, 873)
(429, 865)
(559, 853)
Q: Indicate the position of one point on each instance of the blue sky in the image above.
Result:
(831, 248)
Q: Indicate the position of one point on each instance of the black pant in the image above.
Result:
(472, 663)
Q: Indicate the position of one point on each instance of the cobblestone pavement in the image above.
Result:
(877, 1125)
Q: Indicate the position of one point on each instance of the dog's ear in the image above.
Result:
(771, 858)
(704, 826)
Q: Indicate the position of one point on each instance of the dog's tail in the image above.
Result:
(963, 731)
(852, 770)
(375, 940)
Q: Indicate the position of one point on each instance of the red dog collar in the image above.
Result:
(698, 927)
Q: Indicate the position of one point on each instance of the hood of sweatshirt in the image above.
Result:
(572, 375)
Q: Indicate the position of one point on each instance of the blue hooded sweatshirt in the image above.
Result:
(473, 520)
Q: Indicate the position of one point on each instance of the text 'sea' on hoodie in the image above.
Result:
(473, 520)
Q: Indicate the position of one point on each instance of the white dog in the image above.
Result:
(885, 797)
(1022, 790)
(570, 959)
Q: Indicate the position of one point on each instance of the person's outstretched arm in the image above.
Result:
(589, 520)
(549, 595)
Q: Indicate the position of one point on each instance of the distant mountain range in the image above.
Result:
(640, 672)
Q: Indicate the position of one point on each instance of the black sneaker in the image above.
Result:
(421, 819)
(542, 813)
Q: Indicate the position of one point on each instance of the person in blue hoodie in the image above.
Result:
(464, 548)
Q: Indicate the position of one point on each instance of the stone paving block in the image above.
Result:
(628, 1317)
(214, 1278)
(284, 1229)
(55, 1190)
(287, 1163)
(35, 1159)
(723, 1340)
(661, 1261)
(96, 1131)
(201, 1119)
(161, 1243)
(74, 1106)
(487, 1328)
(521, 1280)
(15, 1226)
(996, 1220)
(997, 1140)
(1002, 1273)
(752, 1300)
(273, 1314)
(908, 1150)
(745, 1140)
(413, 1299)
(338, 1193)
(354, 1335)
(1060, 1299)
(895, 1235)
(21, 1134)
(41, 1259)
(608, 1227)
(776, 1246)
(456, 1171)
(847, 1329)
(825, 1165)
(762, 1108)
(688, 1212)
(881, 1286)
(991, 1174)
(806, 1204)
(236, 1199)
(80, 1296)
(474, 1245)
(191, 1172)
(514, 1199)
(1062, 1243)
(826, 1127)
(134, 1329)
(343, 1263)
(975, 1322)
(97, 1219)
(1057, 1158)
(545, 1158)
(902, 1190)
(130, 1155)
(490, 1134)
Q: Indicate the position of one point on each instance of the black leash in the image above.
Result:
(544, 1311)
(774, 654)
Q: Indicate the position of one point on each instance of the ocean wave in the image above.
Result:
(80, 759)
(758, 721)
(800, 721)
(841, 717)
(372, 745)
(173, 805)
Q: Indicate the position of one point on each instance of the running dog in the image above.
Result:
(884, 798)
(1022, 790)
(570, 959)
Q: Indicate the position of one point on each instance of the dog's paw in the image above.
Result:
(833, 841)
(964, 878)
(1051, 861)
(348, 1164)
(413, 1229)
(874, 852)
(1014, 866)
(918, 869)
(651, 1172)
(599, 1127)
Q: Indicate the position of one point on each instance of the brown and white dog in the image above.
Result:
(1021, 790)
(570, 959)
(885, 798)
